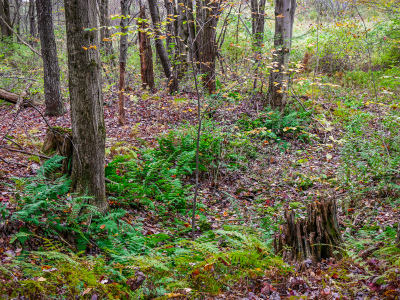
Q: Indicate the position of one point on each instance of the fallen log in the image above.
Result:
(11, 98)
(312, 239)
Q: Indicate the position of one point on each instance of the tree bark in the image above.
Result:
(182, 38)
(162, 53)
(52, 85)
(87, 117)
(257, 26)
(32, 23)
(105, 42)
(146, 54)
(59, 140)
(315, 238)
(398, 236)
(122, 59)
(208, 49)
(279, 77)
(6, 15)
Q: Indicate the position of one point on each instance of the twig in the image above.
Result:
(25, 152)
(13, 162)
(14, 142)
(20, 39)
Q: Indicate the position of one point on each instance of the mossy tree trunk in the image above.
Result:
(87, 117)
(315, 238)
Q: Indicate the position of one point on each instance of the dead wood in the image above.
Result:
(11, 97)
(314, 238)
(58, 141)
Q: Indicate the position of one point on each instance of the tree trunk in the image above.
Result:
(87, 117)
(17, 17)
(170, 28)
(398, 236)
(52, 85)
(257, 26)
(6, 15)
(146, 54)
(32, 23)
(122, 59)
(192, 31)
(209, 48)
(162, 53)
(279, 78)
(314, 238)
(182, 39)
(105, 40)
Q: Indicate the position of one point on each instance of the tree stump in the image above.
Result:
(315, 238)
(59, 141)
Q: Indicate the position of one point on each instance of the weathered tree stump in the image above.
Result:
(59, 141)
(315, 238)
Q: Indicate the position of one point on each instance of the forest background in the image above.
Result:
(206, 149)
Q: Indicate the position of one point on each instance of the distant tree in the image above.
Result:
(278, 80)
(32, 23)
(257, 26)
(145, 52)
(5, 18)
(122, 59)
(161, 51)
(208, 12)
(87, 117)
(105, 42)
(52, 85)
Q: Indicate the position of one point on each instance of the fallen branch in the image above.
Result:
(13, 162)
(25, 152)
(20, 39)
(22, 96)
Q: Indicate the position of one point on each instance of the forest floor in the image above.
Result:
(254, 195)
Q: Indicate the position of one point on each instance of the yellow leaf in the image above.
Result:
(86, 291)
(85, 48)
(162, 37)
(94, 47)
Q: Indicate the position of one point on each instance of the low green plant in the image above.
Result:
(277, 126)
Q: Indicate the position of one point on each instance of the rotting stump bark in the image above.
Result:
(315, 238)
(59, 141)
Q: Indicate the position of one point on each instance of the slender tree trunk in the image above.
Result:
(146, 54)
(170, 30)
(257, 26)
(87, 118)
(209, 48)
(52, 85)
(122, 59)
(279, 78)
(6, 15)
(192, 31)
(32, 23)
(162, 53)
(398, 236)
(105, 42)
(183, 35)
